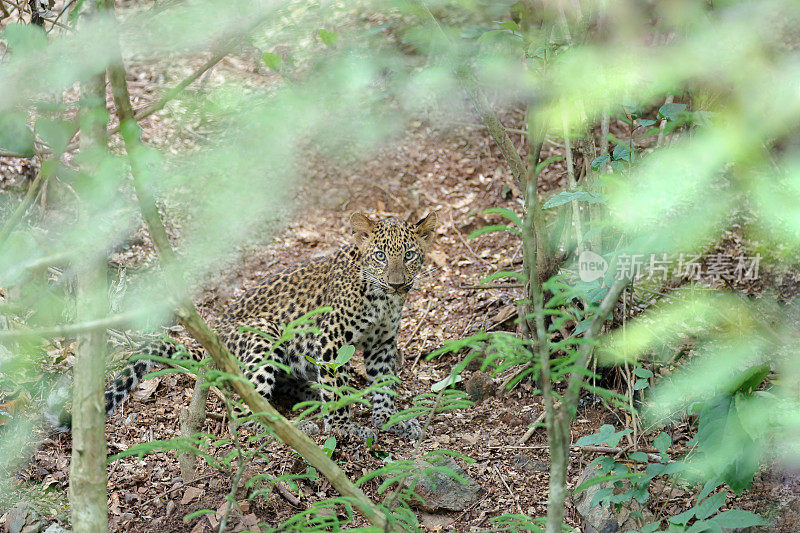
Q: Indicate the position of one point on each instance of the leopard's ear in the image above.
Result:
(425, 227)
(362, 226)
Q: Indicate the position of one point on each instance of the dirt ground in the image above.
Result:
(454, 169)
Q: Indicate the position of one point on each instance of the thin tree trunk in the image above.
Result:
(87, 484)
(192, 419)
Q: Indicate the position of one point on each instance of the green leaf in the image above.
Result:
(710, 505)
(596, 295)
(642, 372)
(504, 274)
(567, 196)
(24, 38)
(662, 442)
(621, 153)
(640, 384)
(329, 446)
(737, 518)
(640, 457)
(671, 112)
(76, 10)
(344, 354)
(15, 136)
(446, 382)
(602, 479)
(56, 133)
(644, 122)
(543, 164)
(709, 486)
(651, 527)
(600, 161)
(272, 61)
(507, 213)
(493, 227)
(509, 25)
(191, 516)
(328, 37)
(617, 166)
(703, 526)
(604, 436)
(751, 378)
(682, 518)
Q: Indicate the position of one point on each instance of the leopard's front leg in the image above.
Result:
(380, 359)
(334, 381)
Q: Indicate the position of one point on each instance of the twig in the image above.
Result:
(531, 430)
(22, 208)
(36, 17)
(511, 492)
(146, 111)
(176, 487)
(485, 127)
(287, 494)
(67, 330)
(463, 240)
(175, 91)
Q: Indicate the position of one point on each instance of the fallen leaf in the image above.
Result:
(504, 313)
(146, 389)
(251, 521)
(191, 494)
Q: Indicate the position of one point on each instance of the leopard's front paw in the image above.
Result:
(408, 429)
(309, 427)
(355, 430)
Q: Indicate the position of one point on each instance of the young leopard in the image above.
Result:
(365, 284)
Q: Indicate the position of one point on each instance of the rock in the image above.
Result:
(440, 492)
(480, 386)
(435, 522)
(602, 518)
(55, 528)
(526, 464)
(22, 518)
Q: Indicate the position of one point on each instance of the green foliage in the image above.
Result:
(723, 151)
(569, 196)
(15, 135)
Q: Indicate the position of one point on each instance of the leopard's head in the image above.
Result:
(392, 250)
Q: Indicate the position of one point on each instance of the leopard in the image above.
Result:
(360, 290)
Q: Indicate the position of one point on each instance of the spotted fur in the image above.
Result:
(364, 283)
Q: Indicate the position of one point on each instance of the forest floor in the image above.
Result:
(454, 169)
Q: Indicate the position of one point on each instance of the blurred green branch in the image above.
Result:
(68, 330)
(22, 208)
(155, 107)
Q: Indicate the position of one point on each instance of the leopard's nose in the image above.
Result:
(397, 286)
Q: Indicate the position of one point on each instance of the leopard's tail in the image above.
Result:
(117, 390)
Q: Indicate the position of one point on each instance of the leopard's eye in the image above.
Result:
(380, 256)
(411, 254)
